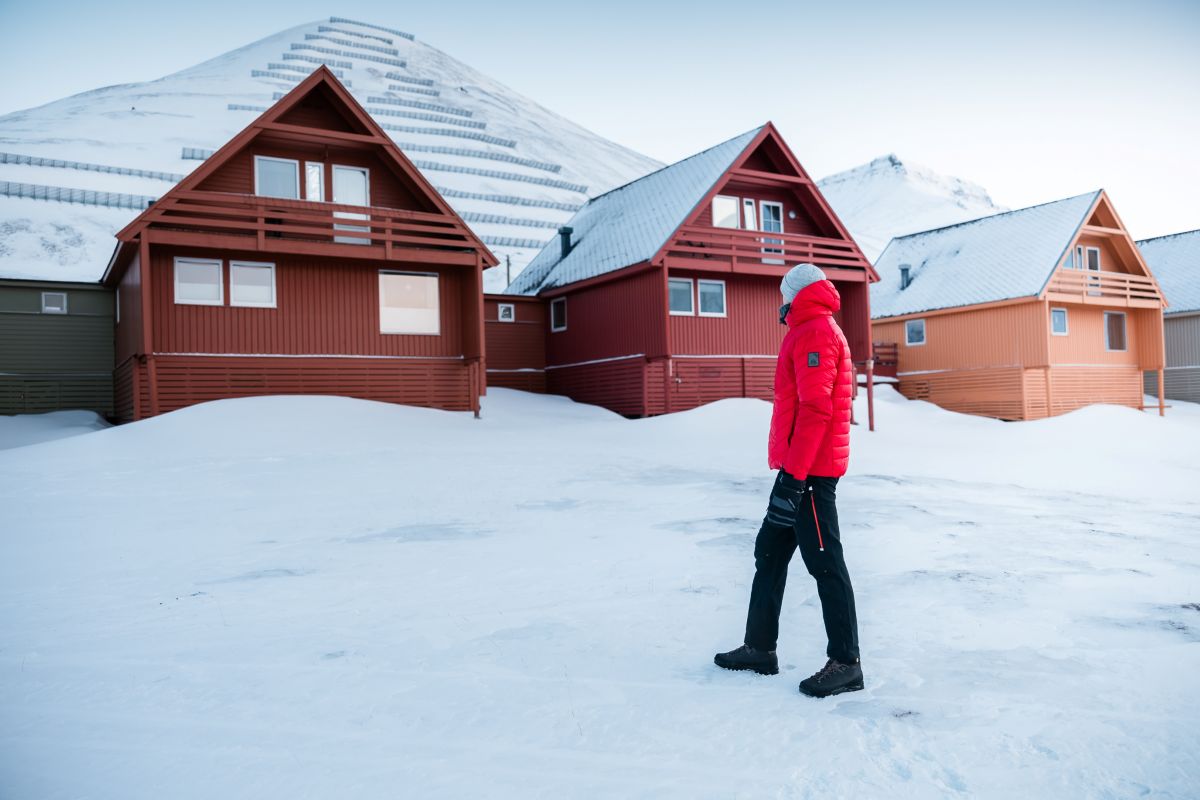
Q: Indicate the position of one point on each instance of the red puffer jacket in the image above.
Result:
(810, 423)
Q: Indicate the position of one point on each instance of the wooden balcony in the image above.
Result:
(1104, 288)
(302, 227)
(711, 249)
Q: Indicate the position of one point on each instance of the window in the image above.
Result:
(712, 298)
(679, 293)
(408, 303)
(914, 332)
(117, 306)
(198, 282)
(772, 222)
(1078, 257)
(314, 181)
(1114, 330)
(351, 187)
(725, 212)
(277, 177)
(506, 312)
(251, 284)
(749, 218)
(1093, 259)
(1058, 321)
(54, 302)
(558, 314)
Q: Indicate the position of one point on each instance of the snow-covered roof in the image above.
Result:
(1174, 261)
(631, 223)
(982, 261)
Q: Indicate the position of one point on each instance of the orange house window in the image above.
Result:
(1114, 331)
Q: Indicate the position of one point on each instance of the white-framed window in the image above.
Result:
(679, 297)
(408, 303)
(711, 297)
(277, 177)
(198, 282)
(1114, 331)
(771, 221)
(558, 314)
(117, 306)
(351, 187)
(1058, 321)
(54, 302)
(725, 211)
(914, 332)
(1093, 259)
(749, 217)
(251, 284)
(314, 181)
(506, 312)
(1078, 257)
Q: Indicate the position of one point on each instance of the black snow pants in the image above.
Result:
(802, 514)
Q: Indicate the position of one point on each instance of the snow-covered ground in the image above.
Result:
(27, 429)
(322, 597)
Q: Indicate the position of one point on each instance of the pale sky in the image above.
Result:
(1034, 101)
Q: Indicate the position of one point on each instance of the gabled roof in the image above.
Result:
(999, 257)
(1175, 262)
(631, 223)
(360, 128)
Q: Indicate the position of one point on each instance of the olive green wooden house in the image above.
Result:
(56, 347)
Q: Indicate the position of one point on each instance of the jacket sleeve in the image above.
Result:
(814, 364)
(783, 412)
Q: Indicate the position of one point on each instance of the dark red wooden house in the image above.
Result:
(663, 294)
(306, 256)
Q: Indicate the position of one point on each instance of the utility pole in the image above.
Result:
(507, 270)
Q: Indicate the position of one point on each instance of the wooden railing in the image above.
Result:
(1086, 284)
(268, 219)
(746, 248)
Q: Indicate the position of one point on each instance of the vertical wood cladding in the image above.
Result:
(322, 307)
(1182, 340)
(1002, 336)
(516, 350)
(619, 386)
(618, 318)
(129, 328)
(441, 383)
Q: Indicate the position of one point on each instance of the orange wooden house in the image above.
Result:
(1022, 315)
(306, 256)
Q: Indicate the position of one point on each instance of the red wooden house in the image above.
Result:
(663, 294)
(306, 256)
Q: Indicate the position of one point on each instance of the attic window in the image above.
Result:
(54, 302)
(277, 177)
(725, 212)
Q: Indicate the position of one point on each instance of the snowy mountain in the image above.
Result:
(513, 169)
(889, 197)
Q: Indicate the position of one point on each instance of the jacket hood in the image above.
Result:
(815, 300)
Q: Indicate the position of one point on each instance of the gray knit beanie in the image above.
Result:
(797, 278)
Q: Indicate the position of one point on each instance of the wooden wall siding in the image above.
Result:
(123, 389)
(619, 386)
(184, 381)
(317, 111)
(129, 329)
(855, 317)
(41, 394)
(619, 318)
(1112, 259)
(1180, 383)
(322, 307)
(515, 345)
(387, 190)
(1182, 341)
(751, 326)
(525, 381)
(1003, 336)
(1084, 343)
(997, 392)
(1076, 387)
(698, 381)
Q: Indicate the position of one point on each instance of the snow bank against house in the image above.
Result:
(323, 597)
(25, 429)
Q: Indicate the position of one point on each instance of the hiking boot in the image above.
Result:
(834, 678)
(763, 662)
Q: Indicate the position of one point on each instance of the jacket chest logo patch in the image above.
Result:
(814, 359)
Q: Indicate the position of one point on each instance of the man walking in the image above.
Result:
(809, 444)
